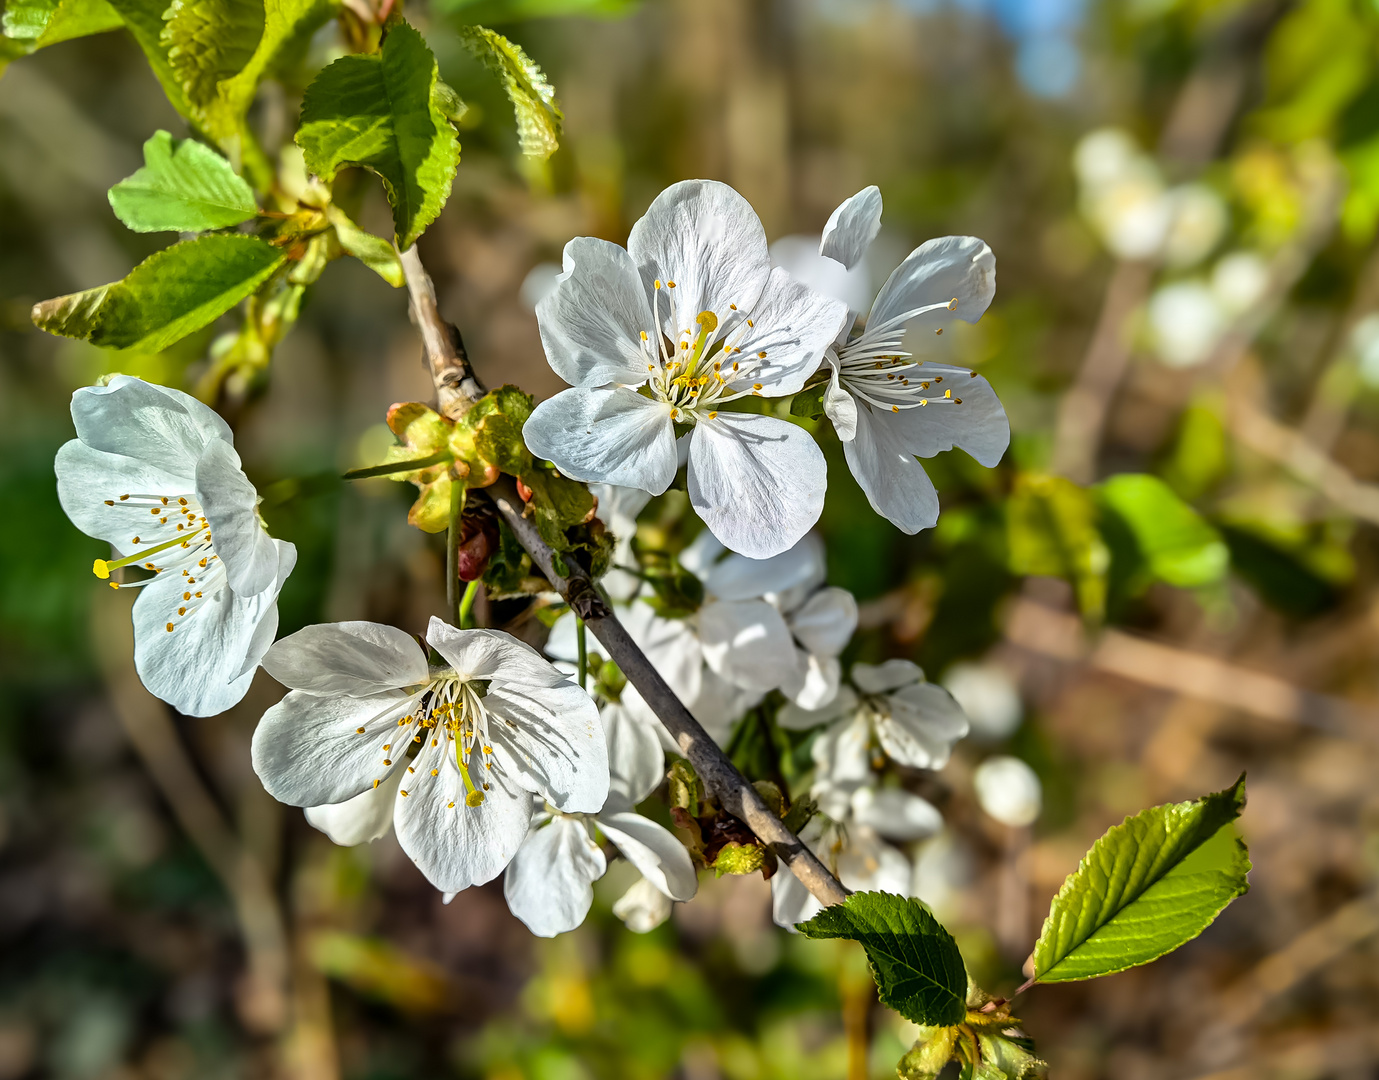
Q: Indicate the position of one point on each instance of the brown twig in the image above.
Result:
(457, 389)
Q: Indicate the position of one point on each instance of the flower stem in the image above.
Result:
(440, 457)
(466, 614)
(452, 554)
(583, 652)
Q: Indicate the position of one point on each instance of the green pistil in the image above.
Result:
(102, 567)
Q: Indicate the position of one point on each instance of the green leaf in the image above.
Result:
(809, 402)
(36, 24)
(183, 187)
(373, 251)
(495, 11)
(1180, 547)
(144, 18)
(167, 296)
(210, 40)
(380, 111)
(918, 970)
(557, 503)
(1150, 884)
(539, 118)
(1051, 531)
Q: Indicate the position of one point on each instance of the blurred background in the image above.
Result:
(1182, 197)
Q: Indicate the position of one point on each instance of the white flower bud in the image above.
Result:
(989, 698)
(1008, 790)
(1185, 322)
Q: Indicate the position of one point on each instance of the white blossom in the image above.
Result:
(912, 721)
(618, 509)
(889, 399)
(1186, 320)
(467, 743)
(1008, 790)
(988, 696)
(154, 472)
(687, 320)
(549, 884)
(643, 907)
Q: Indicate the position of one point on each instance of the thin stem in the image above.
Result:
(452, 555)
(583, 653)
(456, 390)
(440, 457)
(471, 593)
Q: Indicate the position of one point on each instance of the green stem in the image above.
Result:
(471, 592)
(452, 554)
(440, 457)
(583, 652)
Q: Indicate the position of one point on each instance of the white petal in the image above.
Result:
(609, 436)
(453, 844)
(824, 624)
(923, 725)
(368, 816)
(353, 658)
(895, 483)
(895, 813)
(643, 907)
(619, 506)
(797, 718)
(852, 227)
(229, 502)
(592, 322)
(868, 864)
(706, 238)
(493, 654)
(791, 902)
(937, 272)
(1008, 790)
(86, 478)
(799, 255)
(842, 756)
(839, 406)
(739, 578)
(654, 851)
(671, 645)
(308, 752)
(549, 885)
(205, 665)
(978, 425)
(551, 740)
(882, 678)
(818, 684)
(702, 554)
(562, 643)
(636, 764)
(720, 705)
(757, 482)
(792, 325)
(747, 643)
(166, 428)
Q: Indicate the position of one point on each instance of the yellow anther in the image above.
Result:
(761, 355)
(450, 805)
(896, 408)
(387, 761)
(644, 337)
(435, 772)
(359, 731)
(136, 540)
(123, 498)
(658, 283)
(957, 401)
(387, 746)
(181, 611)
(939, 330)
(114, 584)
(165, 500)
(973, 374)
(670, 284)
(953, 304)
(938, 378)
(154, 511)
(182, 501)
(924, 401)
(733, 306)
(750, 323)
(109, 502)
(948, 393)
(403, 794)
(411, 768)
(713, 416)
(756, 386)
(169, 628)
(375, 784)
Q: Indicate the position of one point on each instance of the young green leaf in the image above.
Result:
(1179, 546)
(210, 40)
(1150, 884)
(381, 111)
(183, 187)
(35, 24)
(167, 296)
(918, 970)
(539, 118)
(374, 252)
(144, 19)
(1051, 531)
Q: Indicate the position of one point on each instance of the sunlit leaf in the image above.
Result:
(1178, 545)
(539, 118)
(1051, 531)
(167, 296)
(183, 187)
(1150, 884)
(380, 111)
(210, 40)
(918, 970)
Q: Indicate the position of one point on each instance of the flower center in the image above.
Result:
(446, 707)
(168, 533)
(875, 369)
(701, 369)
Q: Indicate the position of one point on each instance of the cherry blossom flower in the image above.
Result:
(549, 885)
(467, 744)
(673, 330)
(154, 472)
(890, 397)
